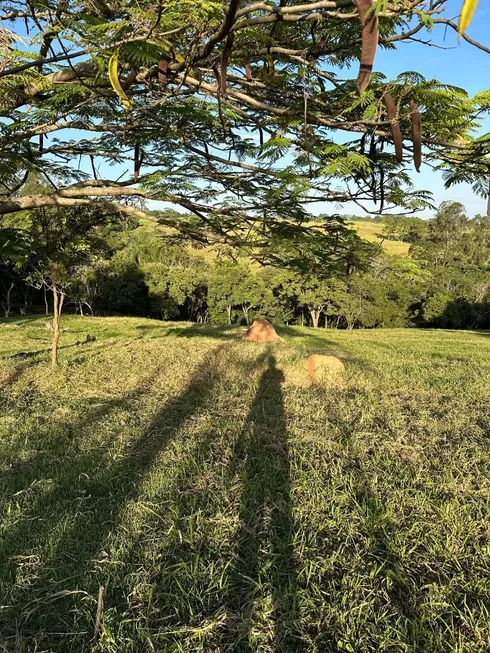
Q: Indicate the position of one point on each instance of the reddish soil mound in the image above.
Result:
(261, 331)
(319, 366)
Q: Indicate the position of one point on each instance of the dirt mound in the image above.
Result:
(261, 331)
(319, 366)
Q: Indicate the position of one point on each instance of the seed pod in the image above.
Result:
(248, 72)
(271, 69)
(395, 125)
(370, 36)
(41, 143)
(488, 201)
(225, 56)
(162, 73)
(115, 83)
(362, 147)
(416, 135)
(381, 188)
(138, 160)
(130, 79)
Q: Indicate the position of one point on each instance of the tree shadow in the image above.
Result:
(264, 548)
(89, 491)
(313, 340)
(219, 331)
(381, 538)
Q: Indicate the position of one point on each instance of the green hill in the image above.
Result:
(367, 230)
(216, 502)
(371, 231)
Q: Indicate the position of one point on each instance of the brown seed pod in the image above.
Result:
(225, 56)
(163, 70)
(130, 79)
(488, 201)
(138, 160)
(416, 135)
(248, 72)
(370, 36)
(395, 125)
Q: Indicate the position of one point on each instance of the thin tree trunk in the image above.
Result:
(46, 299)
(245, 313)
(315, 317)
(58, 298)
(23, 307)
(7, 306)
(228, 311)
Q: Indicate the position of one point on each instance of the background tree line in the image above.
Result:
(97, 263)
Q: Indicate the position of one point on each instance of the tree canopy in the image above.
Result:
(245, 114)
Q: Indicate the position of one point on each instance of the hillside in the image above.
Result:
(223, 505)
(367, 230)
(371, 231)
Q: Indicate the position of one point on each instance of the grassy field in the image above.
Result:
(224, 505)
(371, 231)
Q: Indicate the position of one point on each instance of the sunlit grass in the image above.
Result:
(372, 231)
(224, 505)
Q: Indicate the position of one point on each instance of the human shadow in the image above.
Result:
(264, 546)
(90, 491)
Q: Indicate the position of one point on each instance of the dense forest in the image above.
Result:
(101, 265)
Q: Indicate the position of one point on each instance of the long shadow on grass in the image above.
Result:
(264, 564)
(75, 522)
(381, 539)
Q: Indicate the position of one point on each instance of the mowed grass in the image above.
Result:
(372, 231)
(225, 505)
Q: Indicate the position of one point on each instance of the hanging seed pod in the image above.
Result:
(362, 146)
(163, 70)
(416, 135)
(41, 143)
(248, 72)
(162, 73)
(370, 36)
(138, 160)
(225, 56)
(130, 79)
(395, 125)
(381, 188)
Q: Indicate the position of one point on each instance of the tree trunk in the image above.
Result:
(46, 299)
(246, 311)
(228, 312)
(315, 317)
(7, 305)
(58, 298)
(23, 307)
